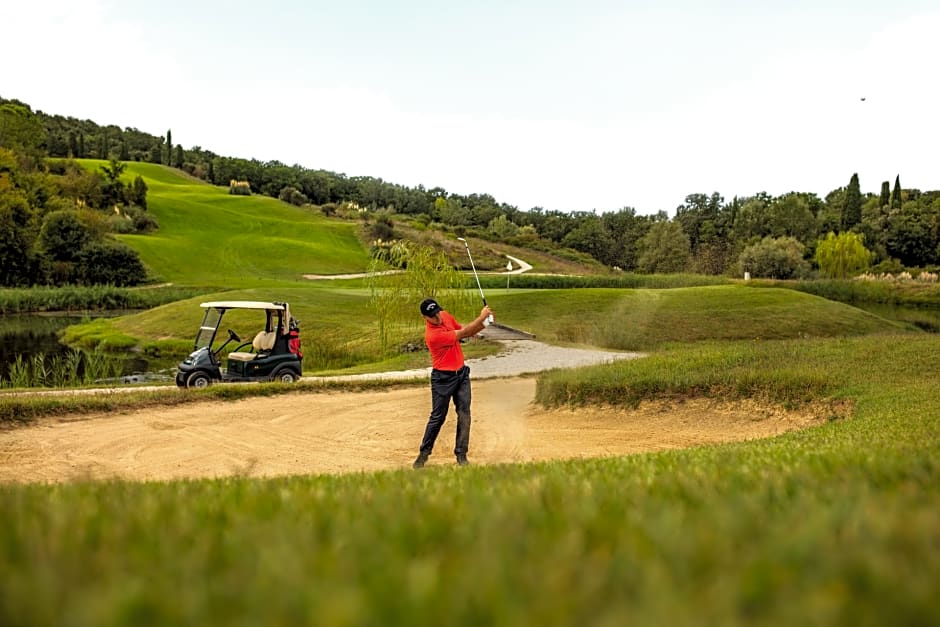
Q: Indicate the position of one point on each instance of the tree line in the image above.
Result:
(765, 235)
(57, 219)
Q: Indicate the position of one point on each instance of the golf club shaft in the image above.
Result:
(480, 287)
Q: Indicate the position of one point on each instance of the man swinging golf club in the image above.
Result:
(450, 377)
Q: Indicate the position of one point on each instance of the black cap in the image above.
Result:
(430, 308)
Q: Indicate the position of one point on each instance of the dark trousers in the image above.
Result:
(444, 387)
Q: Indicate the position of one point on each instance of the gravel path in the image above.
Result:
(519, 357)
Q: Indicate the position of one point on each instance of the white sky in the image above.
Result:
(568, 105)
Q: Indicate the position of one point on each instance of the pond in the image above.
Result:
(28, 337)
(924, 318)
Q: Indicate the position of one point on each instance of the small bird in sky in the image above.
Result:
(863, 98)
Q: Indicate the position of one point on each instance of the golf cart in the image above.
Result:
(273, 355)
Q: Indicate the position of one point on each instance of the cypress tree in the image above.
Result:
(124, 154)
(178, 158)
(81, 146)
(852, 209)
(896, 194)
(73, 144)
(169, 148)
(885, 194)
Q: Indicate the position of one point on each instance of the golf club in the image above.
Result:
(489, 319)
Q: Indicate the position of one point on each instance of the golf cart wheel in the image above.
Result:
(198, 380)
(285, 375)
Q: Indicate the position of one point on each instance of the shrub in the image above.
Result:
(110, 262)
(774, 258)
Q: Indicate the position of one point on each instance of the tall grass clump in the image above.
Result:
(72, 369)
(89, 298)
(788, 372)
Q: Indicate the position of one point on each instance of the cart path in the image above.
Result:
(343, 432)
(522, 267)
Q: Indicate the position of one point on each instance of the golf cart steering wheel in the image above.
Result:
(234, 336)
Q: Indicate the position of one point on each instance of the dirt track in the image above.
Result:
(367, 431)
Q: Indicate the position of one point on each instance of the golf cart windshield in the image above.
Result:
(210, 324)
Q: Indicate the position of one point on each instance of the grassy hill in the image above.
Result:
(340, 331)
(210, 237)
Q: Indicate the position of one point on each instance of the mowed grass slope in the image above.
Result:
(210, 237)
(339, 330)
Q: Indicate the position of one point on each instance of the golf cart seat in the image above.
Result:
(263, 343)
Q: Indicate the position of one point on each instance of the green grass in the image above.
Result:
(339, 332)
(835, 525)
(648, 318)
(210, 237)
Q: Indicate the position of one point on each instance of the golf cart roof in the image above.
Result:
(244, 304)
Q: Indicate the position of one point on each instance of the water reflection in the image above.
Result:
(924, 318)
(29, 335)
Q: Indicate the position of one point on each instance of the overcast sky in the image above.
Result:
(572, 106)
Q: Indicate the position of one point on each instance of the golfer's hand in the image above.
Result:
(486, 315)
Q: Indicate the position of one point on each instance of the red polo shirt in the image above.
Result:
(442, 341)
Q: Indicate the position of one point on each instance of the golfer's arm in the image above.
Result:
(471, 329)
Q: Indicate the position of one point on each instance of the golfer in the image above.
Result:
(450, 377)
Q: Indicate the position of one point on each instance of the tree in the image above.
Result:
(137, 192)
(108, 262)
(842, 256)
(852, 207)
(63, 235)
(113, 189)
(20, 129)
(626, 229)
(911, 236)
(125, 155)
(885, 199)
(590, 236)
(501, 228)
(774, 258)
(664, 249)
(698, 211)
(427, 274)
(169, 148)
(18, 263)
(896, 194)
(179, 157)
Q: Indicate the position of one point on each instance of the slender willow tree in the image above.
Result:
(842, 256)
(402, 274)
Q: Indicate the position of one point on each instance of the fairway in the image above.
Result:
(209, 237)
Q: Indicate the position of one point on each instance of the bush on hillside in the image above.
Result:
(108, 262)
